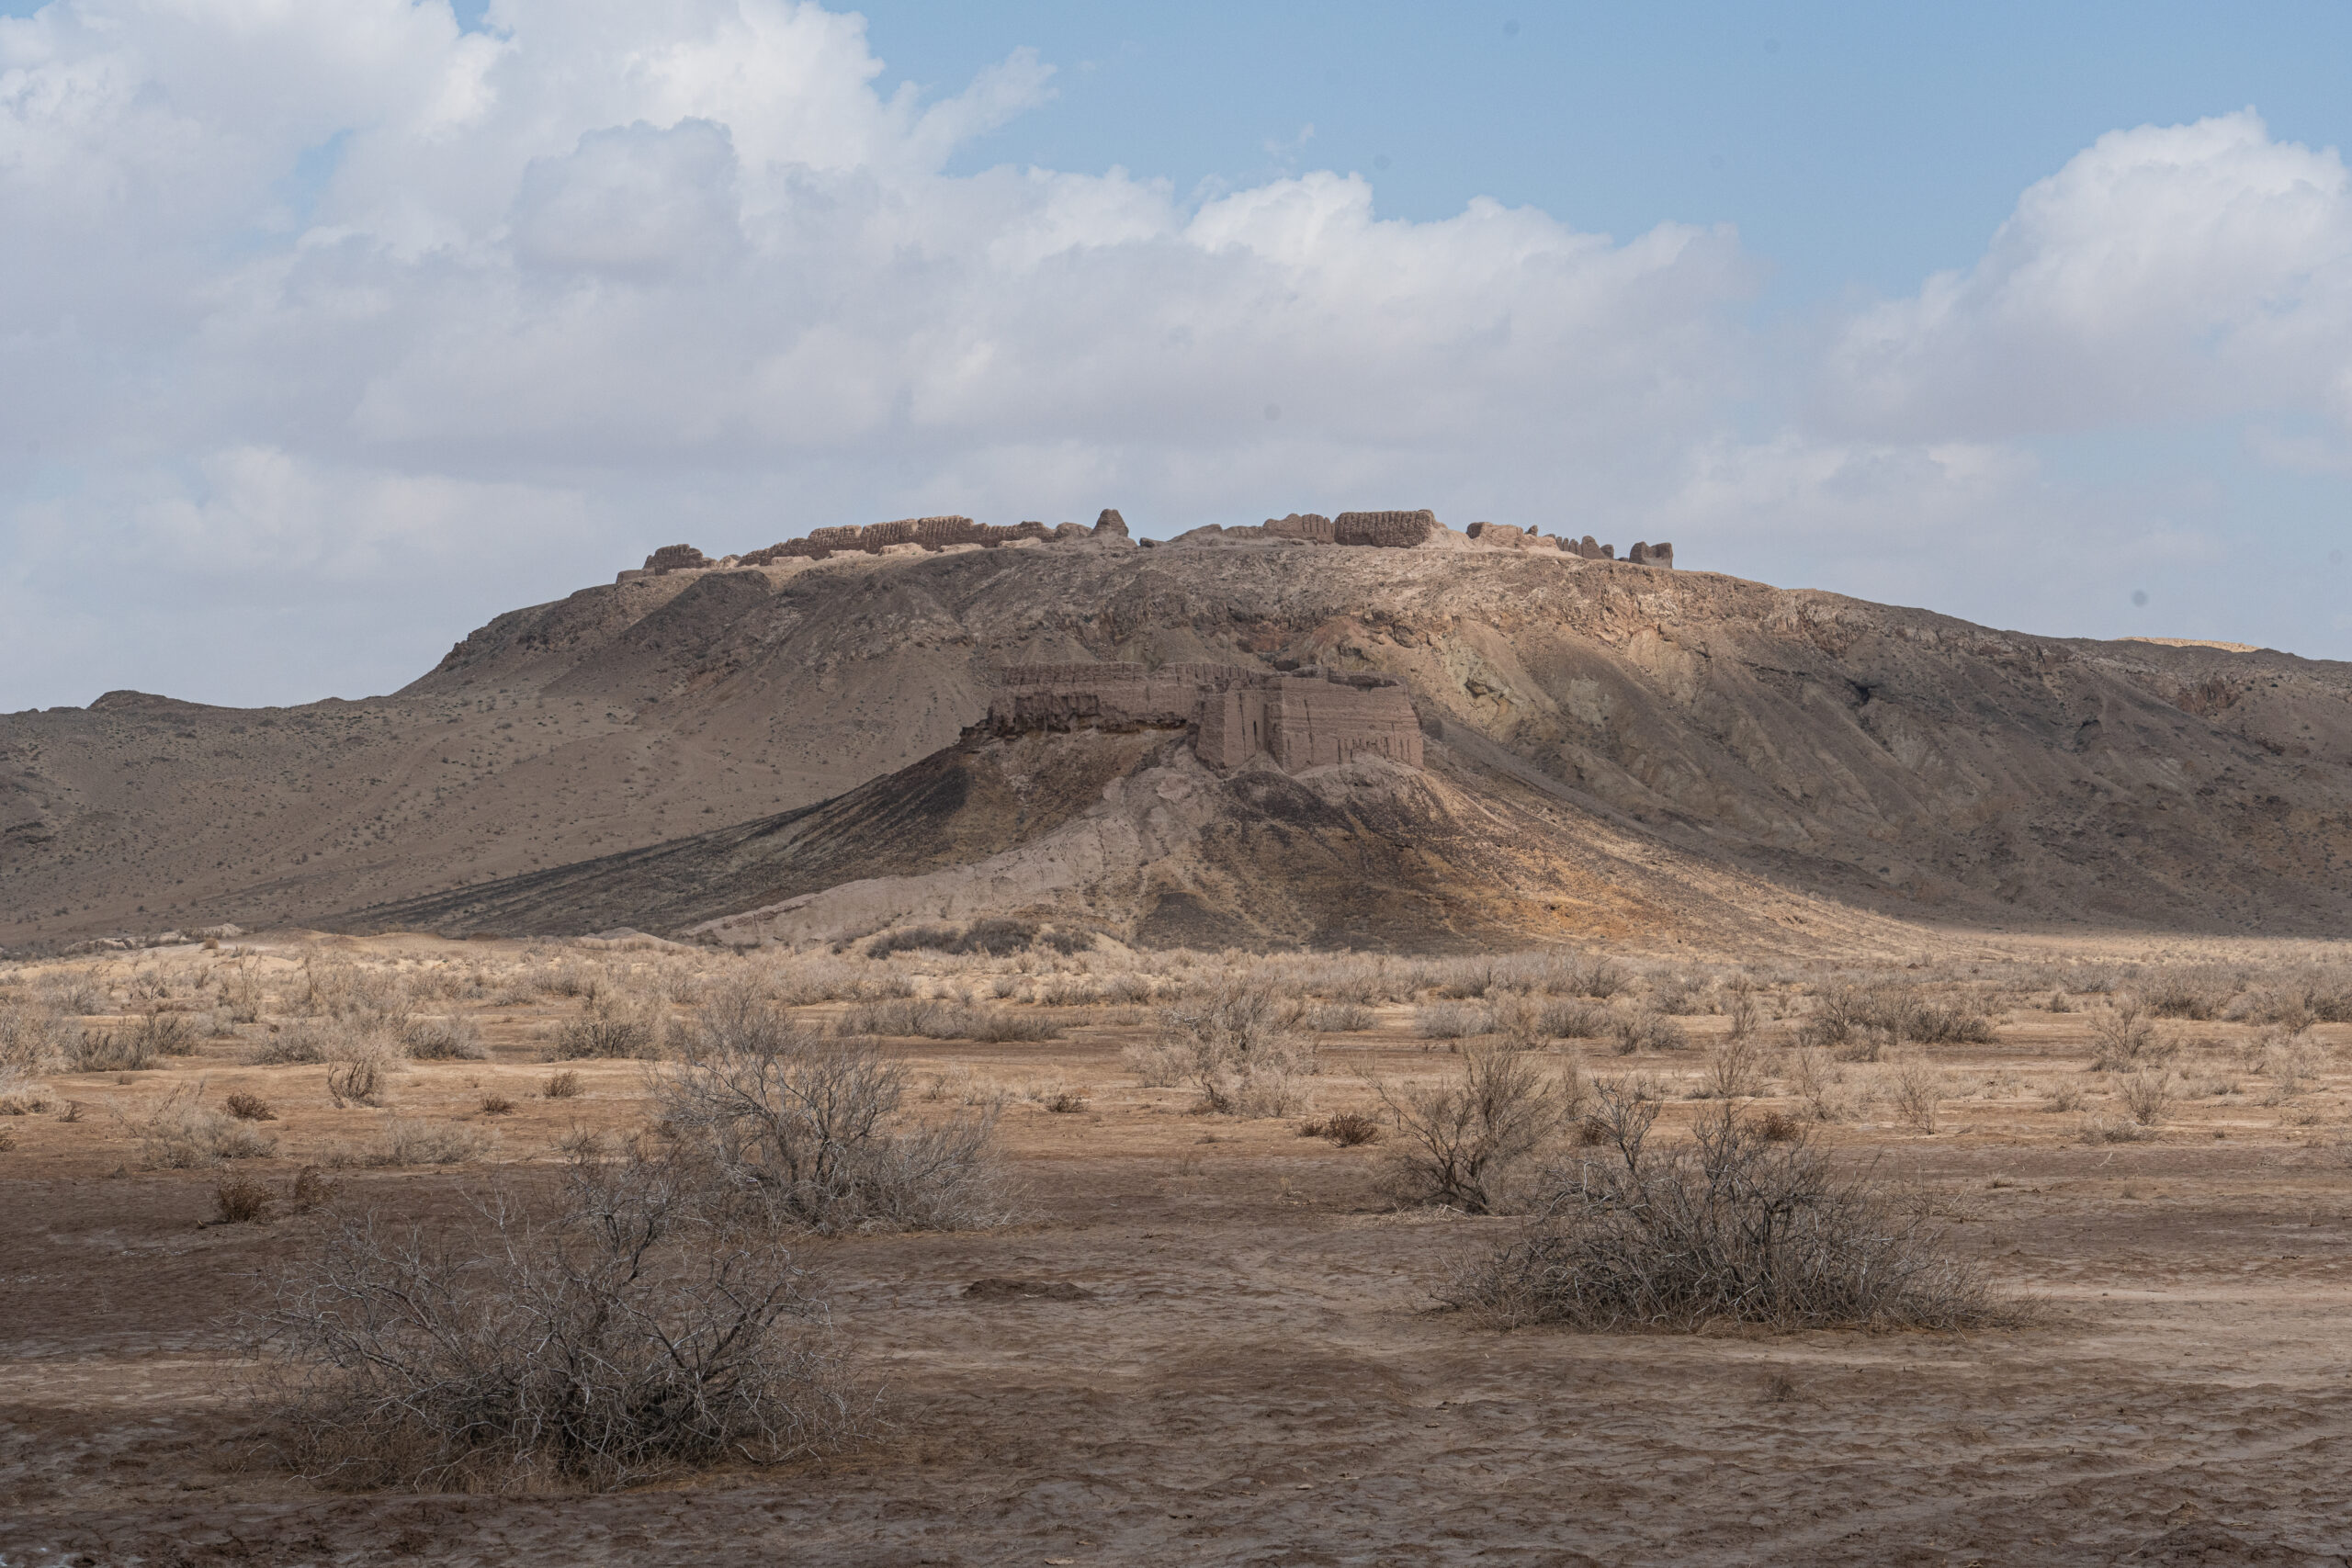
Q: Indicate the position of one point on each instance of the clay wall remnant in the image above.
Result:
(1302, 718)
(1390, 530)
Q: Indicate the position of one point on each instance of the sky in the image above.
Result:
(328, 332)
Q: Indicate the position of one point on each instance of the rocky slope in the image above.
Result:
(1896, 761)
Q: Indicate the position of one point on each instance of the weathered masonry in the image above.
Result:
(1302, 718)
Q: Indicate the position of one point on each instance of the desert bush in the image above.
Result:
(1464, 1140)
(927, 1019)
(2147, 1096)
(453, 1039)
(406, 1141)
(2197, 994)
(22, 1094)
(1734, 1068)
(1573, 1020)
(1451, 1020)
(1240, 1044)
(1644, 1030)
(1777, 1126)
(360, 1073)
(610, 1026)
(2124, 1037)
(181, 1132)
(564, 1085)
(616, 1338)
(1866, 1023)
(241, 1200)
(2289, 1062)
(247, 1107)
(34, 1036)
(1679, 995)
(1732, 1226)
(167, 1034)
(497, 1105)
(109, 1051)
(1745, 1012)
(809, 1131)
(1341, 1017)
(1919, 1088)
(1464, 979)
(2062, 1098)
(1348, 1129)
(2098, 1128)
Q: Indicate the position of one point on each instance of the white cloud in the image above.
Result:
(345, 310)
(2166, 272)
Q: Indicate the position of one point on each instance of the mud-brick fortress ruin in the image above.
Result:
(918, 535)
(1302, 718)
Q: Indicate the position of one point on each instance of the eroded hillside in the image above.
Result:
(1894, 759)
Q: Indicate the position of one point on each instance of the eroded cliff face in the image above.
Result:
(1894, 758)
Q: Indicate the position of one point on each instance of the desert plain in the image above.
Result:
(1208, 1337)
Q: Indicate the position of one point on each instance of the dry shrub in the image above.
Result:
(109, 1051)
(809, 1131)
(181, 1132)
(912, 1018)
(612, 1026)
(1776, 1127)
(2124, 1039)
(564, 1085)
(298, 1044)
(2062, 1098)
(1240, 1044)
(2289, 1062)
(360, 1074)
(405, 1141)
(1465, 1139)
(33, 1036)
(1731, 1226)
(1573, 1020)
(1348, 1129)
(1342, 1017)
(166, 1034)
(497, 1105)
(1866, 1023)
(614, 1336)
(241, 1200)
(2147, 1096)
(1451, 1020)
(1735, 1068)
(1645, 1029)
(246, 1107)
(2198, 994)
(2098, 1128)
(455, 1039)
(1919, 1089)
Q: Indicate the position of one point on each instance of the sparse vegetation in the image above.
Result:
(611, 1338)
(1464, 1141)
(1731, 1227)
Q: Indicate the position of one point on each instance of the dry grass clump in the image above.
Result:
(809, 1132)
(1467, 1139)
(1730, 1227)
(1241, 1045)
(1919, 1090)
(359, 1071)
(241, 1200)
(2124, 1038)
(1451, 1020)
(497, 1105)
(453, 1039)
(181, 1132)
(34, 1036)
(912, 1018)
(109, 1051)
(608, 1339)
(1644, 1030)
(405, 1141)
(1349, 1129)
(1341, 1017)
(1867, 1023)
(248, 1107)
(1734, 1069)
(610, 1026)
(564, 1085)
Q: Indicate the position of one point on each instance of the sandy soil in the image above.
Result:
(1257, 1372)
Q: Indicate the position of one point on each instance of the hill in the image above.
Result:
(1895, 762)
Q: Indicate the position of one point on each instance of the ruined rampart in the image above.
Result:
(1302, 718)
(1375, 530)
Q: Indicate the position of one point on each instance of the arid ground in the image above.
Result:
(1256, 1364)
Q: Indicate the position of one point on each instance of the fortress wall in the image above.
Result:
(1303, 719)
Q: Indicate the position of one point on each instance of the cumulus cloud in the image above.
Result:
(349, 312)
(2165, 273)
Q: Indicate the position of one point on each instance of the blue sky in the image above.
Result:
(338, 329)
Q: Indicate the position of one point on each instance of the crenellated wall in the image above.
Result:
(1302, 718)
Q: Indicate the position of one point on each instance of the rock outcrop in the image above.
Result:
(1110, 524)
(1302, 718)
